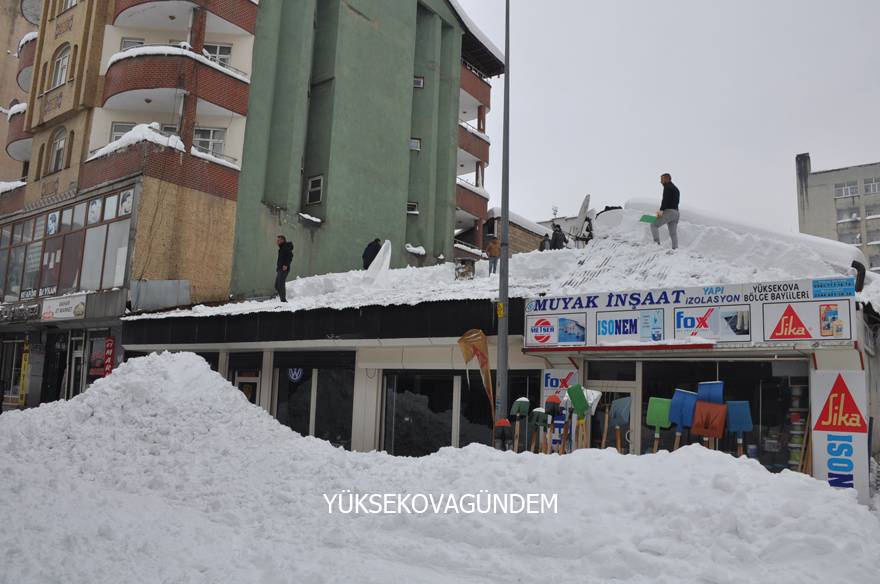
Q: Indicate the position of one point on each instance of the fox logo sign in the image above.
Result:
(694, 324)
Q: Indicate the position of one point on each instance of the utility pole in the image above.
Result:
(504, 273)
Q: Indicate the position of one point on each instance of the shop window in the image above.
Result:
(126, 202)
(333, 407)
(110, 204)
(68, 280)
(293, 408)
(92, 258)
(612, 370)
(60, 64)
(115, 255)
(119, 129)
(66, 219)
(52, 223)
(6, 236)
(79, 216)
(10, 369)
(418, 413)
(51, 266)
(95, 356)
(31, 278)
(94, 214)
(27, 230)
(16, 233)
(57, 151)
(13, 276)
(39, 227)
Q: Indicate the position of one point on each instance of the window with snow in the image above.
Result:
(130, 43)
(59, 66)
(56, 150)
(210, 140)
(846, 189)
(314, 190)
(415, 144)
(217, 52)
(118, 129)
(872, 186)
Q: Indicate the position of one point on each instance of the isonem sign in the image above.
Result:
(766, 312)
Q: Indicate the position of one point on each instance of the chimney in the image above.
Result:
(803, 168)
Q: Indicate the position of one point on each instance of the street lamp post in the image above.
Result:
(503, 275)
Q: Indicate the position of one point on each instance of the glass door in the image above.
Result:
(418, 413)
(617, 423)
(75, 367)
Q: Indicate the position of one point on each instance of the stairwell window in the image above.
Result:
(314, 190)
(59, 66)
(217, 52)
(415, 144)
(210, 140)
(56, 151)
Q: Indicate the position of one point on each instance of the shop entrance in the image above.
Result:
(55, 367)
(616, 423)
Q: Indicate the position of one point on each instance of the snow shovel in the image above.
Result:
(553, 406)
(567, 413)
(648, 219)
(537, 421)
(711, 391)
(681, 412)
(739, 420)
(709, 420)
(519, 409)
(658, 416)
(579, 404)
(503, 433)
(620, 417)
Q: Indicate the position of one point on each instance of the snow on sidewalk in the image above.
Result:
(163, 472)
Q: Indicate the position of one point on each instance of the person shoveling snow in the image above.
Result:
(163, 472)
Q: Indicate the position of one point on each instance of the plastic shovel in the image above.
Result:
(711, 391)
(620, 417)
(519, 409)
(648, 219)
(739, 420)
(578, 397)
(553, 407)
(537, 421)
(681, 412)
(709, 420)
(658, 416)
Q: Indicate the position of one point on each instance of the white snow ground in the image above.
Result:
(163, 472)
(623, 257)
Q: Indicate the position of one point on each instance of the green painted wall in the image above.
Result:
(332, 95)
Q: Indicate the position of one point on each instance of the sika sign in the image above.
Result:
(838, 403)
(767, 313)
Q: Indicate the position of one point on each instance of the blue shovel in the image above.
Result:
(739, 420)
(681, 412)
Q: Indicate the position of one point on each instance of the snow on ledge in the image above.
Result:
(31, 36)
(18, 108)
(472, 188)
(310, 218)
(471, 250)
(167, 50)
(211, 158)
(475, 132)
(419, 251)
(5, 187)
(140, 133)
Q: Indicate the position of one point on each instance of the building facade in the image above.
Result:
(17, 36)
(365, 113)
(131, 138)
(841, 204)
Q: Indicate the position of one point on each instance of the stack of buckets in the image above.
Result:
(797, 416)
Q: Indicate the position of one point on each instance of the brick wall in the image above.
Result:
(159, 71)
(242, 13)
(12, 201)
(472, 144)
(475, 86)
(16, 129)
(27, 54)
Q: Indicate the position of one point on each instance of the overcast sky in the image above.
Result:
(608, 94)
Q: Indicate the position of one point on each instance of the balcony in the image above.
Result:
(475, 91)
(473, 149)
(225, 17)
(18, 140)
(31, 10)
(11, 196)
(27, 49)
(151, 78)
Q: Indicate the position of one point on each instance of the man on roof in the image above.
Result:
(668, 213)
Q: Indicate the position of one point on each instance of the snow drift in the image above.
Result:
(163, 472)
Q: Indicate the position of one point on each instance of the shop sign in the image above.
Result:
(798, 310)
(19, 312)
(838, 402)
(65, 307)
(109, 355)
(557, 382)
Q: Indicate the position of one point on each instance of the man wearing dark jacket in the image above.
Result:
(370, 252)
(558, 239)
(668, 213)
(282, 266)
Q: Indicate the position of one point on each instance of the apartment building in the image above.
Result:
(368, 122)
(841, 204)
(15, 37)
(131, 140)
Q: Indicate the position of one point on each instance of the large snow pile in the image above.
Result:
(622, 257)
(163, 472)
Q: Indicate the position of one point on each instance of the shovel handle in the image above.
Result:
(656, 441)
(605, 427)
(739, 446)
(677, 442)
(617, 439)
(534, 445)
(516, 436)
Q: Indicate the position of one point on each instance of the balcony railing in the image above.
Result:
(186, 47)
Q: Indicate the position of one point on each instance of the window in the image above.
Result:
(93, 258)
(872, 186)
(118, 129)
(110, 204)
(848, 215)
(31, 278)
(39, 170)
(94, 211)
(27, 230)
(39, 227)
(66, 219)
(412, 208)
(210, 140)
(51, 266)
(415, 144)
(68, 280)
(67, 4)
(13, 277)
(56, 151)
(418, 82)
(314, 190)
(79, 216)
(116, 254)
(218, 52)
(59, 67)
(846, 189)
(169, 128)
(130, 43)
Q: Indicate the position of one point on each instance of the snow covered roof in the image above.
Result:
(528, 225)
(476, 47)
(164, 451)
(16, 109)
(182, 51)
(5, 187)
(28, 37)
(141, 132)
(622, 257)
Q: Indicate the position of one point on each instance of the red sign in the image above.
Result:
(790, 326)
(541, 330)
(702, 322)
(840, 412)
(109, 355)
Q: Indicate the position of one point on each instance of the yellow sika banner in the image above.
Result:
(473, 344)
(25, 370)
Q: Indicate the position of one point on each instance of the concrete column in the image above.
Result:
(190, 100)
(223, 364)
(481, 118)
(367, 410)
(264, 399)
(478, 233)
